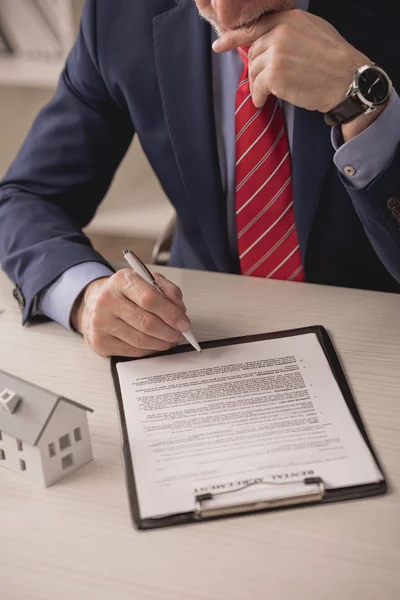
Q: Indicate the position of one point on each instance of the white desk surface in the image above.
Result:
(75, 540)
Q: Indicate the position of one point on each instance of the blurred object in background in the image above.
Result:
(37, 29)
(36, 36)
(4, 47)
(161, 253)
(59, 15)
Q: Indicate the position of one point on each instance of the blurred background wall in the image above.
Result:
(135, 211)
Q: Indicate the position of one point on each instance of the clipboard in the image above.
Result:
(319, 493)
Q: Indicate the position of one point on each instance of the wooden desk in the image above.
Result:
(75, 540)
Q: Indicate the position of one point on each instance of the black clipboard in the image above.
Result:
(325, 495)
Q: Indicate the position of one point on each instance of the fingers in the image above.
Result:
(149, 299)
(260, 92)
(146, 322)
(170, 290)
(259, 80)
(112, 346)
(104, 330)
(260, 37)
(140, 340)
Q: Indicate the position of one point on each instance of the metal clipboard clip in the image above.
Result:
(203, 512)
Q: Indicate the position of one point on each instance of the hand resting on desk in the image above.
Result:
(123, 315)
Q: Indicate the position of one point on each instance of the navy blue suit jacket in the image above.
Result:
(145, 67)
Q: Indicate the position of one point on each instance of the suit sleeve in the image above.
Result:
(373, 161)
(61, 174)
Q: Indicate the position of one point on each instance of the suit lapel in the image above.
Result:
(312, 148)
(182, 45)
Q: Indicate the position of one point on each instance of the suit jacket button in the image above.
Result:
(350, 171)
(393, 205)
(18, 295)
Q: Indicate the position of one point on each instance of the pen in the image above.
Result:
(140, 268)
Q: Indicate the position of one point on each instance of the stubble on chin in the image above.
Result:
(249, 16)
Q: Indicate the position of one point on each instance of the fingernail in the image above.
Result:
(183, 325)
(216, 44)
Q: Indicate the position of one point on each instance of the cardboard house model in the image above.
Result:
(43, 437)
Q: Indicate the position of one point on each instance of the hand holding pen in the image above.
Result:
(140, 268)
(122, 314)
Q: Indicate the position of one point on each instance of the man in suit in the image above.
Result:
(266, 145)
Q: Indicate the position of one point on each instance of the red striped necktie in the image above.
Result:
(267, 237)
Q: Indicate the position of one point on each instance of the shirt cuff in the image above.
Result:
(58, 300)
(366, 156)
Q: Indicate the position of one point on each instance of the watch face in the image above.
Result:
(373, 86)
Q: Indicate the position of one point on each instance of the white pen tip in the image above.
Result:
(192, 340)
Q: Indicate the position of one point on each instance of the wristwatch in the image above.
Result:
(370, 88)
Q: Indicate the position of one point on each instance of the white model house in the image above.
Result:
(42, 436)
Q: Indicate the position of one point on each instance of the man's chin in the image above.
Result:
(221, 29)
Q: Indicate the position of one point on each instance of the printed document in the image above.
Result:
(268, 413)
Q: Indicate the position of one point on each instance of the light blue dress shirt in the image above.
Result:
(369, 154)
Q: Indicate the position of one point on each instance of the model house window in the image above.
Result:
(65, 442)
(2, 455)
(19, 445)
(78, 434)
(67, 461)
(52, 450)
(22, 465)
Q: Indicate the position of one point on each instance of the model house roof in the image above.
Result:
(33, 412)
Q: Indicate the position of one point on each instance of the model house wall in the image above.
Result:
(22, 458)
(67, 424)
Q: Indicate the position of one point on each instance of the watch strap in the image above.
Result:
(344, 112)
